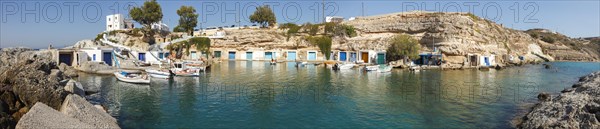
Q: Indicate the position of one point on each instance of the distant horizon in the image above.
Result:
(52, 24)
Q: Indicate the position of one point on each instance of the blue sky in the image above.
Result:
(62, 23)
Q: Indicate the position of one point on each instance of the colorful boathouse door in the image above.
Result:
(142, 56)
(312, 55)
(232, 55)
(107, 58)
(380, 58)
(342, 56)
(291, 56)
(365, 57)
(248, 55)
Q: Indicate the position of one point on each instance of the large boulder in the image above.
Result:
(42, 116)
(68, 70)
(75, 88)
(77, 107)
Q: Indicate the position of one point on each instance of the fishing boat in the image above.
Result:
(343, 66)
(132, 78)
(163, 73)
(273, 62)
(384, 68)
(347, 66)
(371, 68)
(181, 69)
(414, 68)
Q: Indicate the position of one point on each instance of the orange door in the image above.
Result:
(365, 57)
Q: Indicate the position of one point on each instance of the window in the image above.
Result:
(94, 57)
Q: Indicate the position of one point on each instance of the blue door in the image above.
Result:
(232, 55)
(142, 56)
(312, 56)
(268, 55)
(107, 58)
(343, 56)
(65, 58)
(291, 56)
(166, 55)
(487, 62)
(248, 55)
(161, 55)
(353, 56)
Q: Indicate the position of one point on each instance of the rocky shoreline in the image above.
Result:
(575, 107)
(36, 92)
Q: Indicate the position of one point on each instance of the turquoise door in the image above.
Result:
(380, 58)
(342, 56)
(291, 56)
(248, 55)
(217, 54)
(232, 55)
(268, 55)
(194, 55)
(312, 55)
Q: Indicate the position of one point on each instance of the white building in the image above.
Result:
(336, 19)
(117, 22)
(160, 26)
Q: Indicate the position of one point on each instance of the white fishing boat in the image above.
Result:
(385, 68)
(372, 68)
(347, 66)
(414, 68)
(132, 78)
(163, 74)
(181, 69)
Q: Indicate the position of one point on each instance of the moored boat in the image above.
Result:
(132, 78)
(371, 68)
(182, 69)
(384, 68)
(164, 74)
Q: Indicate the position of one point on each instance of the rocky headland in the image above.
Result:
(33, 88)
(575, 107)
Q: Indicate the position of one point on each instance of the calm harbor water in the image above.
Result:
(258, 95)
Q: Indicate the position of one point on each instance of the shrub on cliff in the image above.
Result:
(403, 47)
(324, 44)
(548, 39)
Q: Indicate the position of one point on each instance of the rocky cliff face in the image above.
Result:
(454, 34)
(576, 107)
(565, 48)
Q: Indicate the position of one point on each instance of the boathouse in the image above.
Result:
(99, 55)
(429, 59)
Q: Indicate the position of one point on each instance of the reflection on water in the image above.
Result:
(256, 94)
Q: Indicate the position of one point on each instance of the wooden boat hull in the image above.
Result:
(136, 80)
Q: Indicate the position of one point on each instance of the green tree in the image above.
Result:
(402, 47)
(324, 44)
(263, 16)
(149, 13)
(188, 19)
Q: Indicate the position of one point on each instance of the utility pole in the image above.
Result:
(323, 3)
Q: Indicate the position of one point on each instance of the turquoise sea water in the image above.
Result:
(258, 95)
